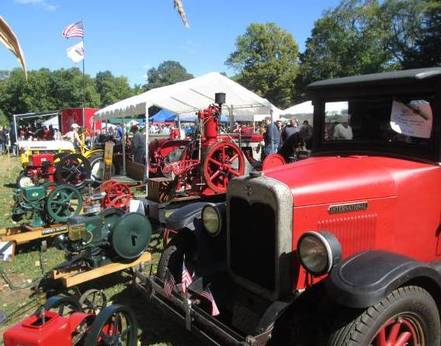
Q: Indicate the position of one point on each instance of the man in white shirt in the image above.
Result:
(343, 131)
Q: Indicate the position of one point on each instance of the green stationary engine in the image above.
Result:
(106, 237)
(46, 204)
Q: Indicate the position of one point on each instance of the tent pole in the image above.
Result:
(15, 128)
(123, 142)
(147, 130)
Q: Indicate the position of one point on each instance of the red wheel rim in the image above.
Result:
(401, 330)
(118, 195)
(224, 162)
(120, 202)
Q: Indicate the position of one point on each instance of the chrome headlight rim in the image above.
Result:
(330, 244)
(213, 208)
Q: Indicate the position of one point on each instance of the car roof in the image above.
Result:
(383, 78)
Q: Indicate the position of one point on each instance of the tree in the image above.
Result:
(344, 42)
(168, 72)
(46, 90)
(266, 59)
(367, 36)
(413, 31)
(111, 89)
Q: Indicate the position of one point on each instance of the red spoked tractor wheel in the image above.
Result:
(118, 194)
(223, 162)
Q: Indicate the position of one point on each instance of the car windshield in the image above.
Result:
(397, 124)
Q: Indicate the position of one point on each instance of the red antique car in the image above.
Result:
(342, 248)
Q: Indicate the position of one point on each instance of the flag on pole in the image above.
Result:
(76, 52)
(206, 293)
(186, 279)
(74, 30)
(169, 283)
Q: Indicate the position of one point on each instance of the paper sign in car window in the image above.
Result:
(414, 119)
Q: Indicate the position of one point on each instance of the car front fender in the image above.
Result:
(365, 278)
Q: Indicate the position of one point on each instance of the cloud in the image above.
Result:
(41, 3)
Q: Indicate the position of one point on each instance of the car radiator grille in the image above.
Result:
(252, 242)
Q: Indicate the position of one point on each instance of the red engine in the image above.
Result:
(40, 168)
(203, 165)
(63, 323)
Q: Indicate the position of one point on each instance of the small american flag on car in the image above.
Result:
(169, 283)
(186, 277)
(74, 30)
(206, 293)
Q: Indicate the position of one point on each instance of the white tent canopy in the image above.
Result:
(192, 95)
(306, 108)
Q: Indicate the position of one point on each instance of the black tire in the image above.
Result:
(94, 160)
(77, 177)
(172, 256)
(408, 306)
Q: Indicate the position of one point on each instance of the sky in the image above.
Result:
(131, 36)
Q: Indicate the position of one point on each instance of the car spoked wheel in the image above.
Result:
(403, 329)
(408, 316)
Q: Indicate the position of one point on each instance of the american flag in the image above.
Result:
(206, 293)
(186, 277)
(74, 30)
(169, 283)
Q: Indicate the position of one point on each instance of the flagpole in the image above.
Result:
(84, 79)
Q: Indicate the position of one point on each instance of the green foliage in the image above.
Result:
(112, 89)
(266, 59)
(168, 72)
(4, 120)
(413, 31)
(367, 36)
(46, 90)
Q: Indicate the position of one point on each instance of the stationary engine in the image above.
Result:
(107, 237)
(40, 168)
(46, 204)
(203, 165)
(62, 321)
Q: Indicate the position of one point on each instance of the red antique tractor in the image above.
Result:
(203, 165)
(62, 168)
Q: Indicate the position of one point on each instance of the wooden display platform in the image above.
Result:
(76, 277)
(24, 233)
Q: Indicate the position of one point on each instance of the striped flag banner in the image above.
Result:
(206, 293)
(186, 277)
(169, 283)
(74, 30)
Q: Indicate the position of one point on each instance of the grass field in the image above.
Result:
(156, 328)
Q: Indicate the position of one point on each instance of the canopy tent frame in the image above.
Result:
(30, 116)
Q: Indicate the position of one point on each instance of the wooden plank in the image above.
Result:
(70, 280)
(21, 236)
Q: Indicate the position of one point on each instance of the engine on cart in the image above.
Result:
(107, 237)
(63, 322)
(46, 204)
(202, 165)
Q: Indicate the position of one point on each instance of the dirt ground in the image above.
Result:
(156, 328)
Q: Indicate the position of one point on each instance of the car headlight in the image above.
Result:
(212, 220)
(318, 252)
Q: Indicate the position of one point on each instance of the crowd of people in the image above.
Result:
(285, 139)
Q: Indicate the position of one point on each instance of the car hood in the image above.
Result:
(330, 179)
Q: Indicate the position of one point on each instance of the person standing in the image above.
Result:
(271, 137)
(290, 129)
(343, 131)
(138, 144)
(2, 140)
(306, 133)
